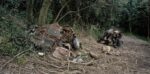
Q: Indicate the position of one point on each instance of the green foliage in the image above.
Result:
(49, 17)
(7, 49)
(21, 60)
(91, 30)
(135, 17)
(94, 31)
(13, 35)
(130, 15)
(94, 16)
(11, 3)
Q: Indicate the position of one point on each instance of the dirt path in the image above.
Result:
(132, 58)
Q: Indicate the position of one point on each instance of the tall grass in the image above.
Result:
(88, 29)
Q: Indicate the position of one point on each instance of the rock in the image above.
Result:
(77, 60)
(106, 49)
(94, 55)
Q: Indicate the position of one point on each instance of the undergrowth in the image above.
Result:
(14, 38)
(90, 30)
(13, 35)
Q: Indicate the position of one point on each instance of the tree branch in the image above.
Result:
(61, 10)
(74, 12)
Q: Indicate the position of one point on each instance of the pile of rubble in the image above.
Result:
(61, 41)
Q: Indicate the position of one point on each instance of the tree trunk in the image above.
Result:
(30, 10)
(148, 25)
(130, 25)
(148, 28)
(43, 12)
(130, 28)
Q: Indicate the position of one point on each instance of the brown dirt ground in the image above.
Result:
(132, 58)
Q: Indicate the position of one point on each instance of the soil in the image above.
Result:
(133, 57)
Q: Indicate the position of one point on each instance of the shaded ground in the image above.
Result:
(132, 58)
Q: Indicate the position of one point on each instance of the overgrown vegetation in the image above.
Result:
(94, 16)
(13, 36)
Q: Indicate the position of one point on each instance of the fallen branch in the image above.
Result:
(47, 64)
(86, 63)
(12, 59)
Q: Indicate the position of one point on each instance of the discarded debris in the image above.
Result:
(78, 59)
(111, 37)
(41, 53)
(61, 53)
(75, 42)
(46, 36)
(67, 46)
(59, 40)
(54, 35)
(54, 30)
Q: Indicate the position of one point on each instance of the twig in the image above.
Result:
(66, 14)
(68, 62)
(12, 59)
(74, 12)
(56, 60)
(50, 71)
(83, 69)
(61, 10)
(87, 63)
(46, 64)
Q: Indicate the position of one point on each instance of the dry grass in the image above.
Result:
(132, 58)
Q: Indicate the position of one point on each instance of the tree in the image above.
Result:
(30, 10)
(43, 12)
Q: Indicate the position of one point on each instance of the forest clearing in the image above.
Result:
(74, 37)
(132, 58)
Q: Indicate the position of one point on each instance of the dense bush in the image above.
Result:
(129, 15)
(13, 37)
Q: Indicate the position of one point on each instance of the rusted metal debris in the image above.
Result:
(54, 38)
